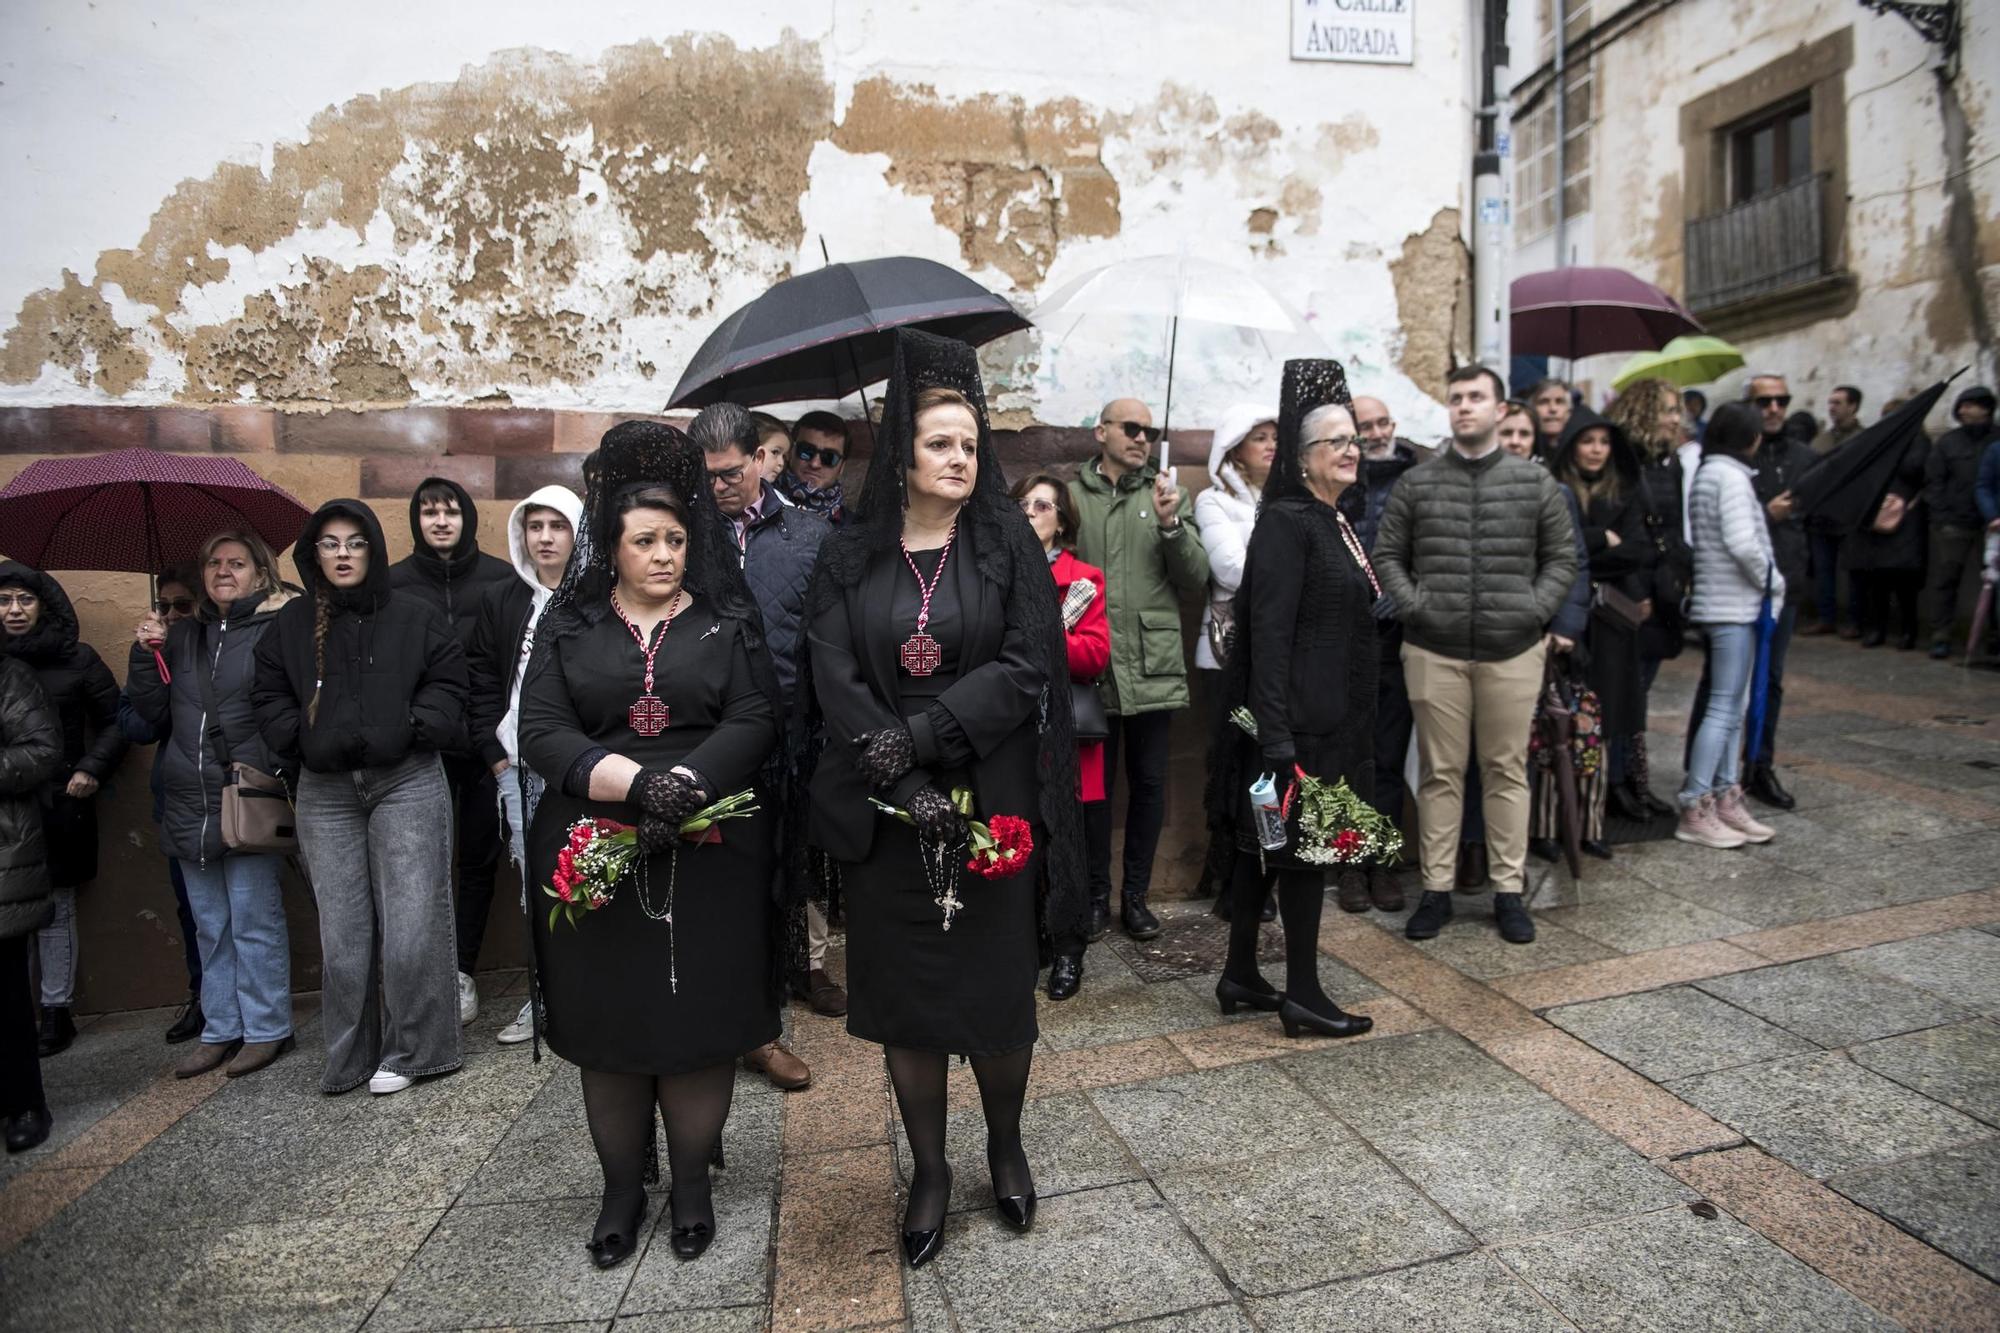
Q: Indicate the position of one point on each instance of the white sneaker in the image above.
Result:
(1730, 809)
(386, 1081)
(1701, 825)
(522, 1028)
(468, 999)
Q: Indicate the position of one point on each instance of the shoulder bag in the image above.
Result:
(256, 808)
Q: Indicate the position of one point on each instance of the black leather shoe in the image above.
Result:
(1100, 922)
(1940, 651)
(610, 1248)
(1596, 847)
(1544, 849)
(1270, 909)
(1764, 786)
(1017, 1210)
(1874, 638)
(1297, 1019)
(1230, 994)
(58, 1031)
(689, 1242)
(1655, 806)
(920, 1247)
(30, 1129)
(187, 1023)
(1138, 919)
(1065, 975)
(1433, 910)
(1623, 802)
(1906, 643)
(1221, 908)
(1472, 867)
(1511, 914)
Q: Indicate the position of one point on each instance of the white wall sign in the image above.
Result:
(1369, 32)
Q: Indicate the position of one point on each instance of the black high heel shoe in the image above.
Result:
(688, 1242)
(1229, 994)
(615, 1247)
(1016, 1210)
(920, 1247)
(1297, 1018)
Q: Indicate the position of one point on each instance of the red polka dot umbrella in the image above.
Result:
(137, 510)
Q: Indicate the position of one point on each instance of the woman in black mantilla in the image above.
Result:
(656, 994)
(1304, 662)
(934, 639)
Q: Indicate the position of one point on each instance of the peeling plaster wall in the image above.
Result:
(220, 203)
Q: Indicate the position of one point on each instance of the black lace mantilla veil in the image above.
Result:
(1309, 384)
(1007, 553)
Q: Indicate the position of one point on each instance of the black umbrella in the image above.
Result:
(829, 333)
(1843, 491)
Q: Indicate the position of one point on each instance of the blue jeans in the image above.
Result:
(246, 953)
(1715, 761)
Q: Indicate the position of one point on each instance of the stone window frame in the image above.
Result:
(1817, 73)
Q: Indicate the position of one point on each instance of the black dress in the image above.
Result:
(1313, 660)
(911, 983)
(627, 993)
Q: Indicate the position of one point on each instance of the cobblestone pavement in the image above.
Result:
(1754, 1090)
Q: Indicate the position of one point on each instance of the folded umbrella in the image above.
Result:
(1844, 489)
(1577, 312)
(1558, 721)
(831, 332)
(1686, 361)
(1760, 673)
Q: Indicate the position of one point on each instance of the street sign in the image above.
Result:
(1368, 32)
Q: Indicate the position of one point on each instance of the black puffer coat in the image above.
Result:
(191, 771)
(30, 750)
(1478, 554)
(391, 680)
(779, 553)
(84, 694)
(1627, 565)
(451, 583)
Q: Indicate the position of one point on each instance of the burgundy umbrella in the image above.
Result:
(137, 510)
(1577, 312)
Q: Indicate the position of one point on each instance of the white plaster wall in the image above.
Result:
(105, 108)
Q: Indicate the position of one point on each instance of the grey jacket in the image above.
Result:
(1732, 546)
(31, 743)
(1477, 554)
(780, 550)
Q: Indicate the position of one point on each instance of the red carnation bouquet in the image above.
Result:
(998, 848)
(600, 851)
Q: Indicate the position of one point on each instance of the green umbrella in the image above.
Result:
(1690, 359)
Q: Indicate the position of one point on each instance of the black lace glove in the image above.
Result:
(886, 755)
(1384, 607)
(936, 817)
(666, 796)
(657, 835)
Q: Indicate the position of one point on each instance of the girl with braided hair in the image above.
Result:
(357, 691)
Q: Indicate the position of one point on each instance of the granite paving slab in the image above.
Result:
(1432, 1077)
(1218, 1115)
(1635, 923)
(1958, 1065)
(1677, 1031)
(1825, 1114)
(1069, 1147)
(1950, 1199)
(1963, 966)
(732, 1271)
(1472, 945)
(1104, 1012)
(1302, 1216)
(1467, 1291)
(735, 1319)
(1833, 1001)
(1673, 1270)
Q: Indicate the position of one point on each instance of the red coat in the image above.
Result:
(1089, 657)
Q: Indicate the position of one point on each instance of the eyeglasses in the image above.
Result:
(24, 601)
(1133, 430)
(728, 476)
(177, 605)
(1773, 400)
(1037, 505)
(805, 453)
(334, 546)
(1341, 443)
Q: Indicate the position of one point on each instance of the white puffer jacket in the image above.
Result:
(1224, 514)
(1732, 546)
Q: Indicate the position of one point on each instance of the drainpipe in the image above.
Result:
(1493, 223)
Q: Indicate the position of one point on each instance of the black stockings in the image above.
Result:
(1301, 898)
(620, 1110)
(919, 1080)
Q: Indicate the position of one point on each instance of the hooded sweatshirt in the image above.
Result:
(504, 632)
(1225, 513)
(79, 686)
(1626, 564)
(452, 583)
(390, 679)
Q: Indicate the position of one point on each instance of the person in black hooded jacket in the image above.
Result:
(448, 570)
(40, 629)
(359, 691)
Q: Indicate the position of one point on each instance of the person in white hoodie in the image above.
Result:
(541, 532)
(1733, 567)
(1239, 458)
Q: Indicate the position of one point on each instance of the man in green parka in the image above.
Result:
(1134, 524)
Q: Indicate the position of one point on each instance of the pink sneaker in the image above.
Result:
(1730, 809)
(1701, 825)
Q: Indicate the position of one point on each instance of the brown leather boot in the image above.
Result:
(1383, 890)
(780, 1066)
(256, 1054)
(1352, 895)
(821, 991)
(206, 1056)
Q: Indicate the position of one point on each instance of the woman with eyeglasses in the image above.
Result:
(40, 628)
(1087, 637)
(1304, 663)
(201, 707)
(357, 692)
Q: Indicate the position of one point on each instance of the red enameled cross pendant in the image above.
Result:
(648, 715)
(921, 654)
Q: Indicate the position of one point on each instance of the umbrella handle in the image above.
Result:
(166, 676)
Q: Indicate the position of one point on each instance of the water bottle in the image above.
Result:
(1265, 810)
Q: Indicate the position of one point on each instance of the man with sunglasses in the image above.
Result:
(811, 479)
(1133, 523)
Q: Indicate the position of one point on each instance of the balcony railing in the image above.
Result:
(1772, 242)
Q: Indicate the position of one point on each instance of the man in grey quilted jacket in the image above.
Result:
(1477, 552)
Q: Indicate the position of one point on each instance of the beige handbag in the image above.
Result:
(256, 808)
